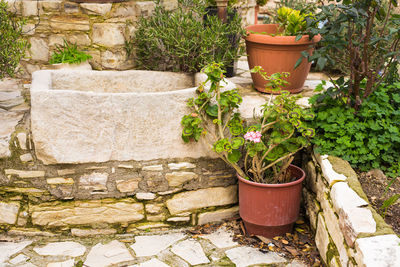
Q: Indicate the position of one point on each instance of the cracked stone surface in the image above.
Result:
(173, 248)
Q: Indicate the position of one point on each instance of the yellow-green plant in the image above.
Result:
(292, 22)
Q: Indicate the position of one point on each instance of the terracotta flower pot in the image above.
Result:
(270, 209)
(278, 54)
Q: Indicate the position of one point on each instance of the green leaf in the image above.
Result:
(298, 62)
(234, 156)
(237, 142)
(321, 63)
(212, 111)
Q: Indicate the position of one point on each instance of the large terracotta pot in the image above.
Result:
(278, 54)
(270, 209)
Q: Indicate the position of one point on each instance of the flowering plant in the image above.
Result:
(261, 152)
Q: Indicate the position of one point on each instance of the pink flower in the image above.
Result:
(253, 136)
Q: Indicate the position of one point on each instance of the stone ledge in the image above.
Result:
(353, 233)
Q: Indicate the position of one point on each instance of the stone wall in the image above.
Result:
(99, 29)
(349, 232)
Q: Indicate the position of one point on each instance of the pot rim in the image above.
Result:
(299, 180)
(278, 40)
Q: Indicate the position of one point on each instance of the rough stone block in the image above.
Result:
(328, 173)
(29, 8)
(9, 212)
(181, 166)
(71, 8)
(22, 140)
(39, 49)
(179, 219)
(130, 185)
(154, 208)
(46, 6)
(66, 23)
(217, 196)
(179, 178)
(145, 8)
(94, 181)
(145, 196)
(353, 218)
(26, 157)
(312, 207)
(218, 215)
(113, 60)
(322, 237)
(108, 34)
(124, 10)
(66, 172)
(382, 251)
(59, 180)
(24, 174)
(87, 212)
(153, 168)
(96, 9)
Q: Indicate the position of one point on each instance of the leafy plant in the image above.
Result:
(368, 34)
(179, 40)
(261, 152)
(12, 45)
(369, 138)
(213, 3)
(304, 6)
(68, 53)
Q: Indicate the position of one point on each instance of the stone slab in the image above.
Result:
(67, 263)
(382, 251)
(9, 249)
(222, 238)
(328, 173)
(322, 237)
(179, 178)
(191, 251)
(70, 125)
(181, 166)
(68, 248)
(151, 263)
(247, 256)
(153, 244)
(191, 200)
(105, 255)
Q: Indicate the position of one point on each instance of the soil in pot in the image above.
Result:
(270, 209)
(277, 54)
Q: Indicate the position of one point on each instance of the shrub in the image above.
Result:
(367, 139)
(179, 40)
(12, 45)
(68, 53)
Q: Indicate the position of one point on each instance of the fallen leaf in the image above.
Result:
(292, 250)
(285, 241)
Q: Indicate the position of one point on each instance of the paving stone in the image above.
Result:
(9, 249)
(216, 196)
(145, 196)
(296, 263)
(178, 178)
(153, 244)
(104, 255)
(9, 212)
(218, 215)
(19, 259)
(68, 248)
(221, 238)
(382, 251)
(246, 256)
(68, 263)
(191, 251)
(181, 166)
(151, 263)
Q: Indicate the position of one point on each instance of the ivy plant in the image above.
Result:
(369, 138)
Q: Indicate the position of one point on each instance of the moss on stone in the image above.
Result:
(343, 167)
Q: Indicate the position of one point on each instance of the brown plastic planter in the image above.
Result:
(278, 54)
(270, 209)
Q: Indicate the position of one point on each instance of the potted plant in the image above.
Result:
(261, 154)
(67, 56)
(281, 47)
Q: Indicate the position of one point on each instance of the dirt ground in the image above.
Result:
(375, 186)
(299, 244)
